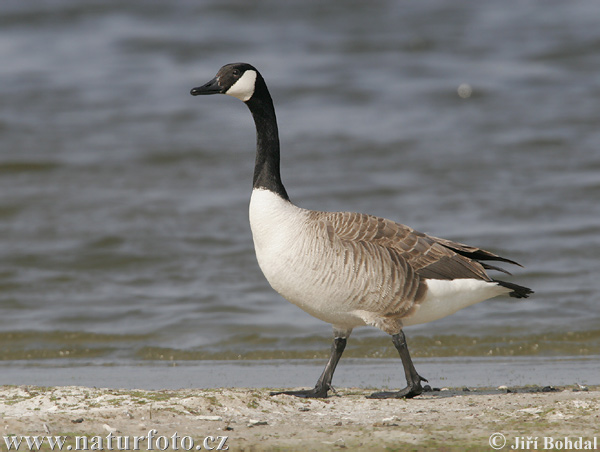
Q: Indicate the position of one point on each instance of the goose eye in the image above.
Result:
(236, 72)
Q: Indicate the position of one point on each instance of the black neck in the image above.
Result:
(266, 168)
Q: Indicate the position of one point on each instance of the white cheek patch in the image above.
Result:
(243, 89)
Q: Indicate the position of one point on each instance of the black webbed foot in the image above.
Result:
(406, 393)
(314, 393)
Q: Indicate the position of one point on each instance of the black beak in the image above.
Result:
(211, 87)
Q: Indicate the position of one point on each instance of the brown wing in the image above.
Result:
(429, 257)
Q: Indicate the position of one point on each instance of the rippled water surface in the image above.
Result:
(124, 236)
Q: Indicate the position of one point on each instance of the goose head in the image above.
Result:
(236, 79)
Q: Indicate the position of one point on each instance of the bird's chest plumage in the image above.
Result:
(278, 230)
(293, 255)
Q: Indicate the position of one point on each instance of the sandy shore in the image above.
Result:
(455, 419)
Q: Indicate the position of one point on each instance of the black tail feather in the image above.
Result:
(476, 254)
(493, 267)
(517, 291)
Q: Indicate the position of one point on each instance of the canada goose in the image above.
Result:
(351, 269)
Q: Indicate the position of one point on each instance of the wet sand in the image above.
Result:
(452, 419)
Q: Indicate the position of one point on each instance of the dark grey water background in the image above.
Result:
(125, 253)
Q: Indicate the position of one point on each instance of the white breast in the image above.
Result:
(276, 225)
(296, 261)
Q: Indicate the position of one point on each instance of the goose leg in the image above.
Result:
(413, 379)
(324, 382)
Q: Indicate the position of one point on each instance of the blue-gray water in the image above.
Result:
(124, 238)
